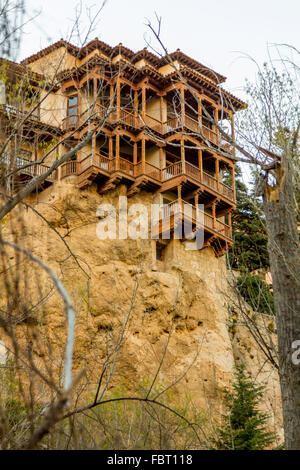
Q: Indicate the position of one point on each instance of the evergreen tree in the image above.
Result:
(249, 251)
(244, 425)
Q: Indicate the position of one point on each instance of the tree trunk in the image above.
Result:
(283, 247)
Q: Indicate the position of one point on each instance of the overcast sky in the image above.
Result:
(217, 33)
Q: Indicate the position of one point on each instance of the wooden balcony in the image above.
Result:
(68, 169)
(174, 214)
(166, 178)
(25, 169)
(71, 122)
(138, 122)
(180, 168)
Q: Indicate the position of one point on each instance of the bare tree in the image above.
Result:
(267, 136)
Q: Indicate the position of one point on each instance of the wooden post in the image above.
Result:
(110, 147)
(182, 151)
(135, 153)
(199, 110)
(79, 110)
(111, 95)
(229, 219)
(161, 161)
(233, 180)
(143, 155)
(200, 164)
(136, 103)
(182, 91)
(118, 99)
(214, 214)
(117, 152)
(217, 172)
(196, 199)
(95, 89)
(232, 126)
(161, 105)
(161, 102)
(216, 116)
(93, 148)
(179, 196)
(143, 102)
(229, 223)
(161, 158)
(134, 157)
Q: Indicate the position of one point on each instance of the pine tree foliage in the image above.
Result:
(244, 426)
(256, 292)
(249, 250)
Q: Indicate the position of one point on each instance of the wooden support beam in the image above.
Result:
(161, 158)
(136, 103)
(199, 109)
(143, 155)
(111, 95)
(135, 153)
(217, 172)
(232, 127)
(233, 180)
(93, 148)
(200, 164)
(193, 194)
(182, 152)
(143, 101)
(110, 147)
(118, 99)
(161, 106)
(212, 201)
(179, 195)
(117, 152)
(182, 100)
(214, 214)
(216, 117)
(94, 89)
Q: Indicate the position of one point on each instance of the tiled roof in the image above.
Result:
(129, 54)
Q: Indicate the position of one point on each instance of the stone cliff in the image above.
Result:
(179, 307)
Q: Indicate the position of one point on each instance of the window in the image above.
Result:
(72, 109)
(160, 251)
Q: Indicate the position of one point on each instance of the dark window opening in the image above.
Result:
(160, 251)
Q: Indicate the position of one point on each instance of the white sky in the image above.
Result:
(217, 33)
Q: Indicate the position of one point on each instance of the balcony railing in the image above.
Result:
(202, 177)
(123, 165)
(70, 122)
(31, 169)
(15, 111)
(98, 111)
(110, 165)
(68, 169)
(176, 208)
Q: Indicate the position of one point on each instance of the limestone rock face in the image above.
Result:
(175, 310)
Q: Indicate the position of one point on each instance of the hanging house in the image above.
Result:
(155, 128)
